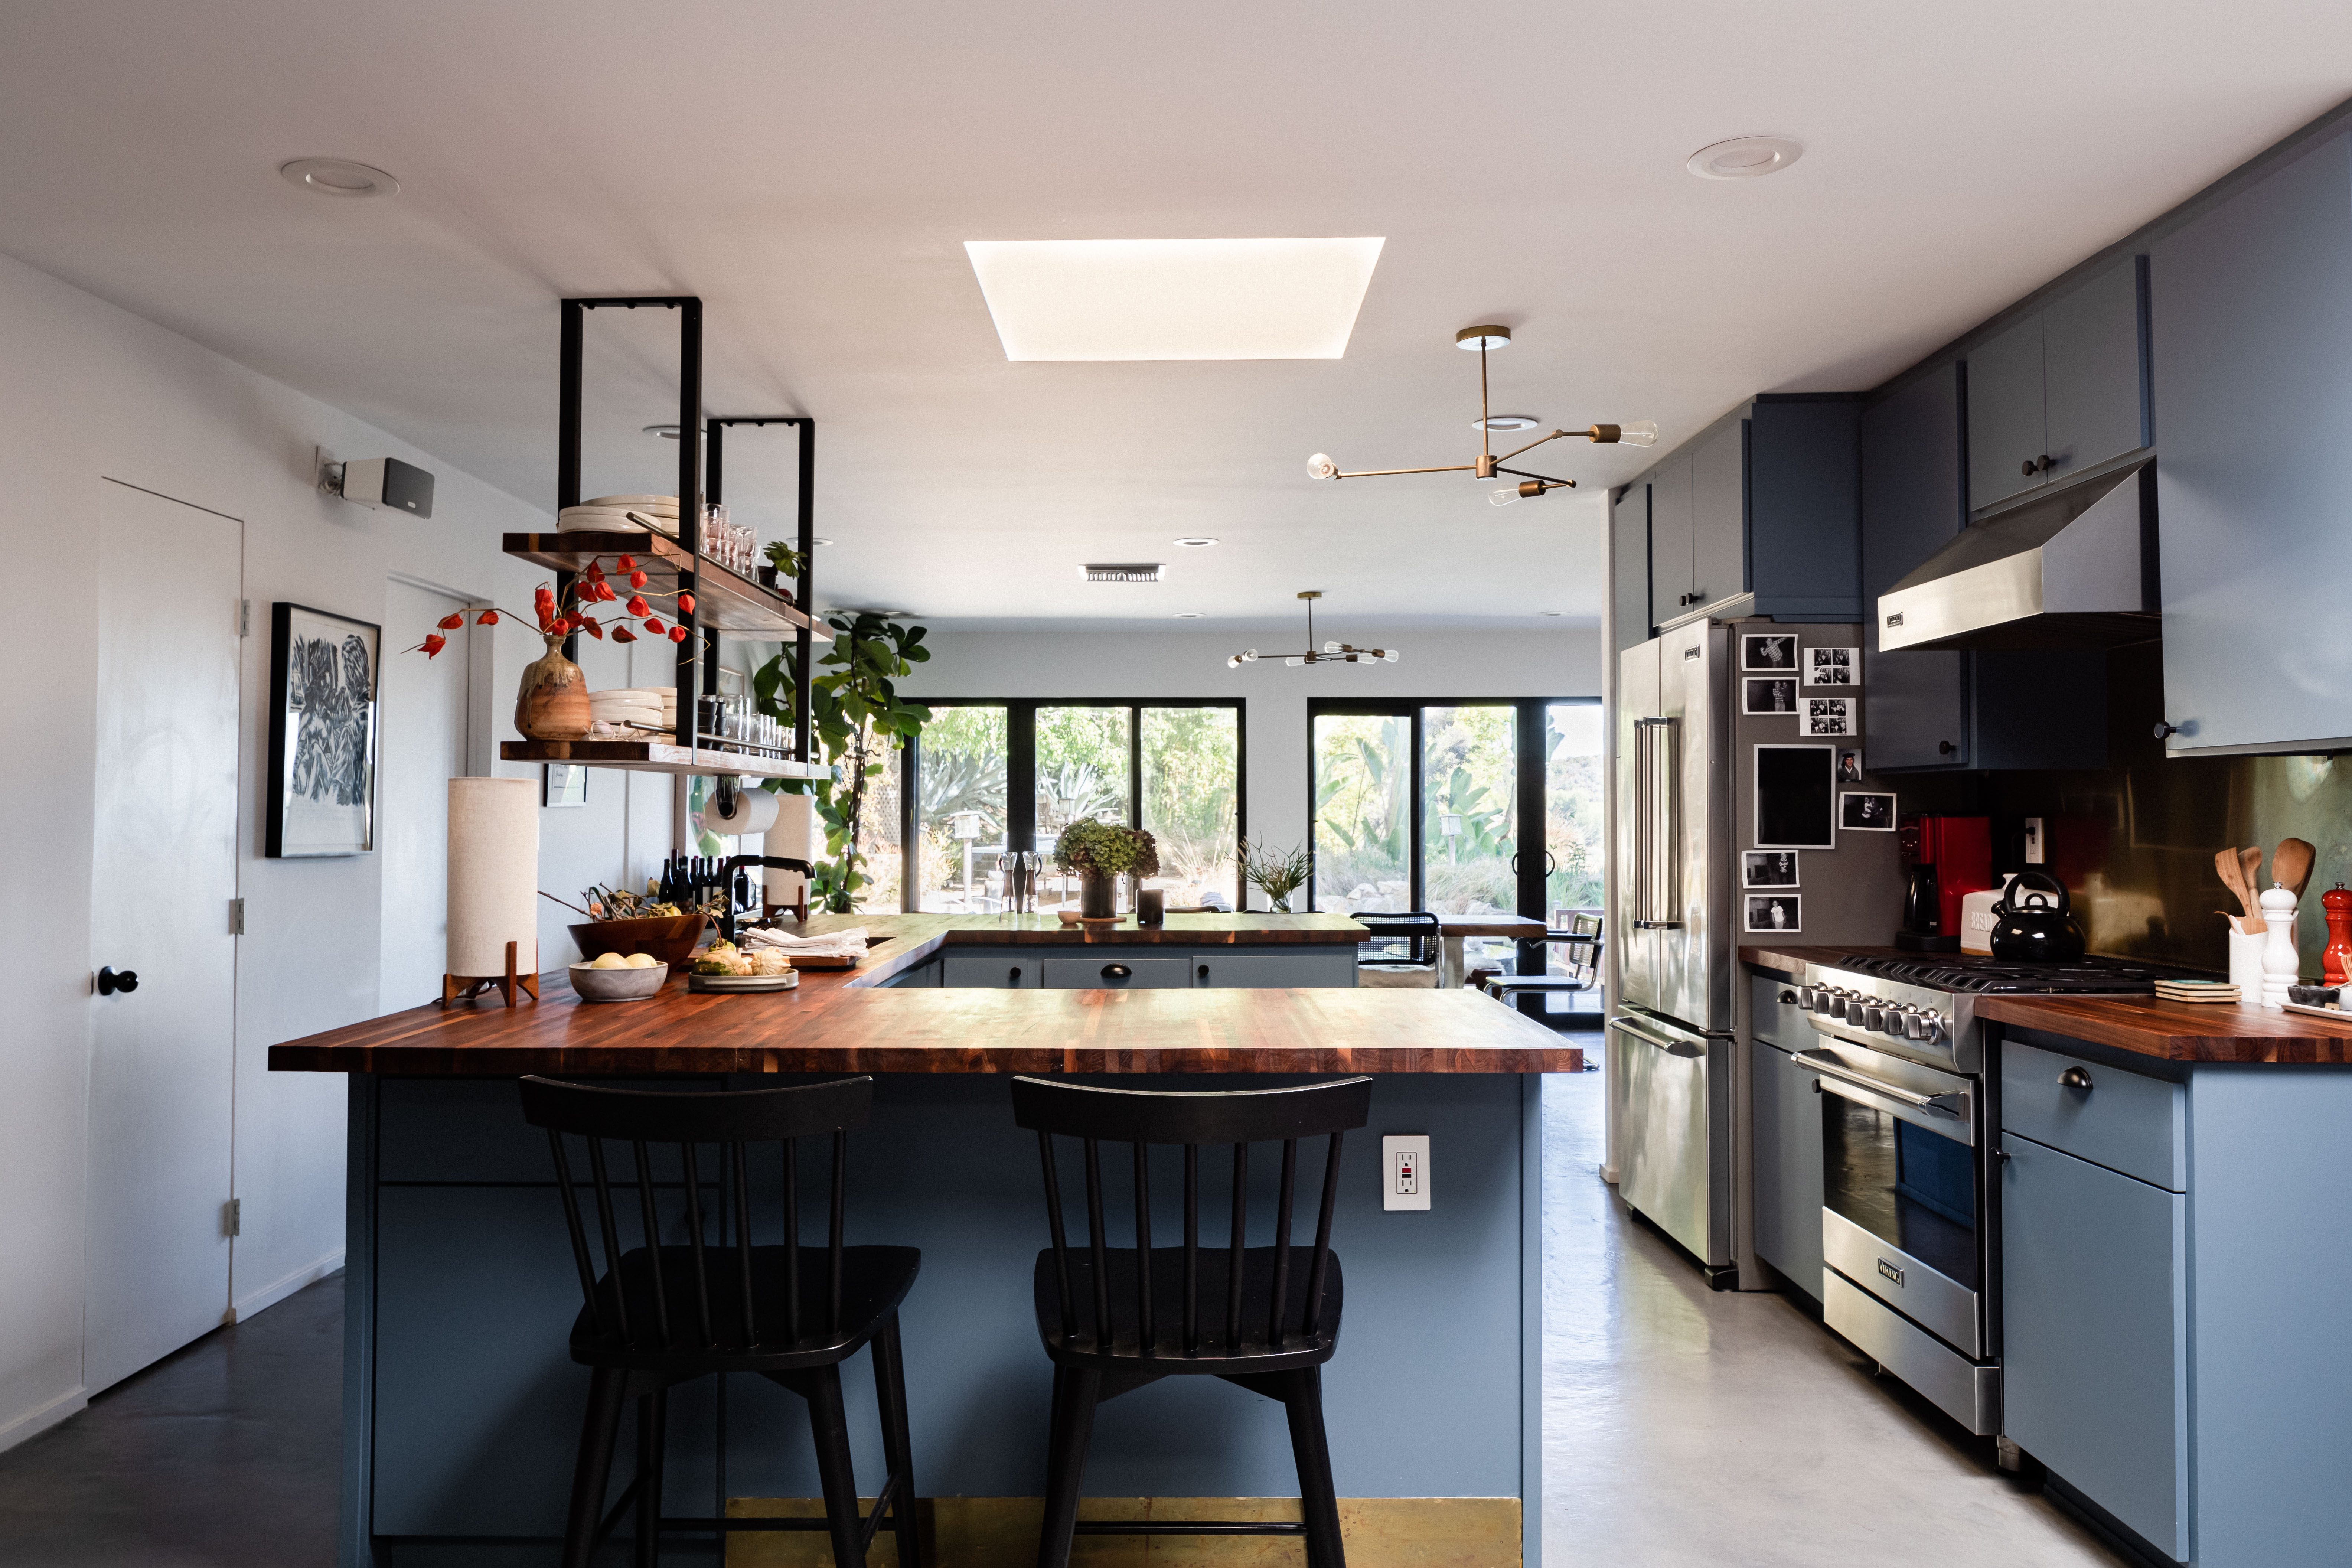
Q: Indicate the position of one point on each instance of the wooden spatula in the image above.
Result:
(2225, 863)
(2249, 868)
(2291, 864)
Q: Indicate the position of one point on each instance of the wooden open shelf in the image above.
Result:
(723, 600)
(655, 757)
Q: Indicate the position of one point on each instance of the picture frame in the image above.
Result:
(325, 696)
(1849, 768)
(1866, 811)
(1771, 914)
(1795, 796)
(1774, 868)
(1768, 653)
(563, 784)
(1771, 696)
(1827, 716)
(1832, 667)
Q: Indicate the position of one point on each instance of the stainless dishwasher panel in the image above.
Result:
(1674, 1168)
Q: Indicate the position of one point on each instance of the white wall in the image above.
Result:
(89, 393)
(1436, 663)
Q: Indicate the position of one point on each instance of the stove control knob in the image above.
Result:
(1806, 997)
(1874, 1015)
(1929, 1028)
(1889, 1020)
(1840, 1003)
(1900, 1023)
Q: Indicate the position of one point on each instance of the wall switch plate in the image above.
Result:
(1404, 1170)
(2033, 841)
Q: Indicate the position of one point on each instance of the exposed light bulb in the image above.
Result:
(1390, 655)
(1504, 497)
(1249, 655)
(1234, 662)
(1638, 433)
(1320, 467)
(1330, 648)
(1294, 661)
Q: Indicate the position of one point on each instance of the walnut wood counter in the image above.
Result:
(850, 1023)
(2173, 1031)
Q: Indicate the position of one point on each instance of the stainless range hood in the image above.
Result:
(2076, 569)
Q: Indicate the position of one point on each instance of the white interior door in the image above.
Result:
(164, 872)
(423, 747)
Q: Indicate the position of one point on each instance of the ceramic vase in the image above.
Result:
(1097, 898)
(553, 702)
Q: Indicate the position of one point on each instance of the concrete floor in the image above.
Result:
(1681, 1426)
(1686, 1425)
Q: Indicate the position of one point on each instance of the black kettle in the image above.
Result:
(2031, 926)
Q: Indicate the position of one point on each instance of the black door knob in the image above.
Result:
(1115, 971)
(1205, 972)
(110, 981)
(1944, 747)
(2163, 728)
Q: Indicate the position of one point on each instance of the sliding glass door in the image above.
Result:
(960, 811)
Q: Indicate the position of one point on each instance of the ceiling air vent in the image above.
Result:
(1123, 571)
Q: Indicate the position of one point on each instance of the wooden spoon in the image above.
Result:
(2291, 864)
(2249, 865)
(2230, 864)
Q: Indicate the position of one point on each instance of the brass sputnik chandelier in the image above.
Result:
(1635, 433)
(1330, 653)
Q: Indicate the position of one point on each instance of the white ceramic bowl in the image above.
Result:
(595, 984)
(640, 504)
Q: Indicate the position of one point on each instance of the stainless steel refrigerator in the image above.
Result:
(1686, 807)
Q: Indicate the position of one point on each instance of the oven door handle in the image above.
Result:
(1828, 1066)
(1669, 1044)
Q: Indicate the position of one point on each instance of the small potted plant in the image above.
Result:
(784, 568)
(1097, 853)
(1276, 873)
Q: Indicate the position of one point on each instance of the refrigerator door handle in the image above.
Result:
(1655, 831)
(1641, 1030)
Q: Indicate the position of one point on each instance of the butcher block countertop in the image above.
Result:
(2174, 1031)
(849, 1022)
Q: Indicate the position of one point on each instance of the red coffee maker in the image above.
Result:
(1945, 858)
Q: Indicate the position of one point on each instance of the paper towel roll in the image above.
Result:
(493, 875)
(755, 809)
(792, 835)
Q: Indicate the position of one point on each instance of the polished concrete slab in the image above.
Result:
(1684, 1425)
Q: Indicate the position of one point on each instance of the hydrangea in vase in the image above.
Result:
(1099, 854)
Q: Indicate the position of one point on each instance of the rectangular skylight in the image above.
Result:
(1174, 298)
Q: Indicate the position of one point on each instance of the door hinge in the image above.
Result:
(236, 916)
(232, 1217)
(245, 617)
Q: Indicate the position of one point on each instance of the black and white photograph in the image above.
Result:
(1768, 695)
(1769, 652)
(1866, 811)
(1774, 912)
(1829, 716)
(566, 783)
(1796, 797)
(1767, 869)
(1832, 667)
(323, 730)
(1849, 769)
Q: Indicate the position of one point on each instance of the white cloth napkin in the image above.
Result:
(850, 944)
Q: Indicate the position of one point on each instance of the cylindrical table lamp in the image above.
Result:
(493, 888)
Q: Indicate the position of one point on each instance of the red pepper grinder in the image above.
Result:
(2336, 962)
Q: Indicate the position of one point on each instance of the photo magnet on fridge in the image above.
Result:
(1796, 803)
(1832, 667)
(1774, 912)
(1771, 694)
(1767, 869)
(1865, 811)
(1769, 652)
(1829, 716)
(1849, 769)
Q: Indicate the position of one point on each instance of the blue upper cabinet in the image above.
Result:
(1670, 540)
(2060, 391)
(1629, 566)
(2251, 340)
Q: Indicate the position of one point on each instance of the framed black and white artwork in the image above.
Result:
(1849, 767)
(1769, 652)
(565, 784)
(1773, 912)
(1832, 667)
(1767, 869)
(1866, 811)
(1769, 694)
(1796, 797)
(323, 733)
(1828, 715)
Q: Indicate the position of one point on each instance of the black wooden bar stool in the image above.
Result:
(1141, 1316)
(658, 1314)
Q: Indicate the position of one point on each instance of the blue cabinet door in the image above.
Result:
(2095, 1334)
(1788, 1172)
(1260, 971)
(1629, 565)
(2252, 338)
(993, 968)
(2006, 427)
(1670, 540)
(2093, 347)
(1719, 476)
(1110, 970)
(1914, 501)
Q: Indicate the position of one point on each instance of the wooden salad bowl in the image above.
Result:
(670, 938)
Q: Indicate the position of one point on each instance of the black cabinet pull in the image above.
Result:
(1115, 971)
(1015, 978)
(110, 980)
(1205, 972)
(2163, 728)
(2040, 465)
(1787, 997)
(1944, 747)
(2074, 1077)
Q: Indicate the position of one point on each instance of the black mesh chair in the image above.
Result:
(1401, 951)
(1116, 1319)
(656, 1315)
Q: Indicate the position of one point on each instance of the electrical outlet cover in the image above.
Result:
(1404, 1170)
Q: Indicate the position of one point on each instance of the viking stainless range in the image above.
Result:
(1910, 1141)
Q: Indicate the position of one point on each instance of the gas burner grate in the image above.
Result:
(2088, 976)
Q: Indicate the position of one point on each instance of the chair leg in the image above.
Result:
(830, 1426)
(897, 1458)
(600, 1431)
(1319, 1500)
(1076, 1394)
(653, 1434)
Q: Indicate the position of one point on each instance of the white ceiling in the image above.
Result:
(811, 173)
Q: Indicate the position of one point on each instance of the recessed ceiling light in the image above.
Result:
(1188, 615)
(339, 177)
(1174, 298)
(1197, 542)
(820, 542)
(1744, 158)
(1506, 422)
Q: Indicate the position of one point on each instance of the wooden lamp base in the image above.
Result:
(465, 987)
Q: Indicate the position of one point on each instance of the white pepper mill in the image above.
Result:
(2280, 962)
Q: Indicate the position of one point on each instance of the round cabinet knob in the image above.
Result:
(1115, 971)
(1944, 747)
(1204, 973)
(111, 981)
(1015, 977)
(2163, 728)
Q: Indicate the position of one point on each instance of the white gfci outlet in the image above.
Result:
(1404, 1170)
(2033, 841)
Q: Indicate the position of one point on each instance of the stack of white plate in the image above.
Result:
(611, 514)
(647, 707)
